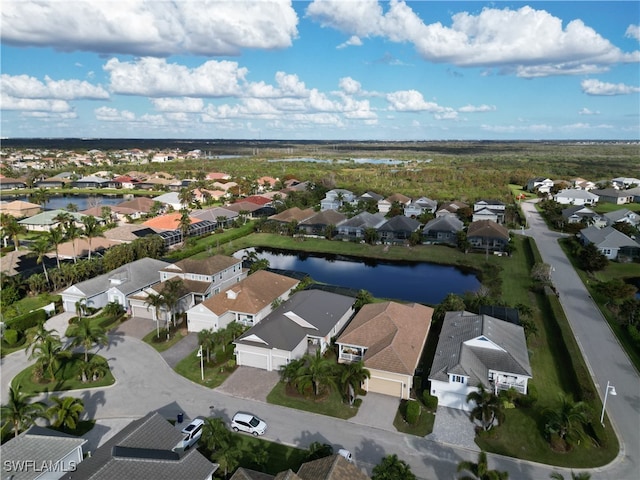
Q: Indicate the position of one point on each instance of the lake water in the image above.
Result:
(82, 202)
(420, 282)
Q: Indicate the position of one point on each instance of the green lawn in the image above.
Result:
(330, 405)
(27, 304)
(215, 372)
(68, 378)
(423, 427)
(161, 343)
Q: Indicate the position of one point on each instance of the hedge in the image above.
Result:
(11, 336)
(28, 320)
(412, 414)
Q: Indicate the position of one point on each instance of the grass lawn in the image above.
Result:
(107, 322)
(161, 343)
(330, 405)
(27, 304)
(68, 378)
(215, 372)
(423, 427)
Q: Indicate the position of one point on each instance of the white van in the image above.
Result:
(192, 432)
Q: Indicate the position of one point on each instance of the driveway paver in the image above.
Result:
(250, 383)
(377, 411)
(453, 427)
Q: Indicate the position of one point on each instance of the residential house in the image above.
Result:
(451, 208)
(221, 216)
(355, 227)
(134, 209)
(126, 181)
(170, 199)
(613, 195)
(41, 453)
(293, 214)
(540, 185)
(79, 247)
(7, 183)
(45, 221)
(128, 233)
(333, 467)
(252, 209)
(318, 223)
(623, 215)
(53, 182)
(443, 229)
(258, 200)
(582, 184)
(294, 185)
(420, 206)
(487, 235)
(572, 196)
(218, 176)
(580, 213)
(398, 229)
(493, 210)
(224, 186)
(369, 196)
(612, 243)
(266, 183)
(90, 182)
(385, 204)
(218, 272)
(635, 191)
(169, 221)
(389, 338)
(20, 209)
(306, 322)
(625, 182)
(476, 350)
(247, 302)
(147, 448)
(155, 183)
(334, 199)
(115, 286)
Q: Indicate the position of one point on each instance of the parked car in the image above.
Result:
(247, 422)
(346, 454)
(192, 432)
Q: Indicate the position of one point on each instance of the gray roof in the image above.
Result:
(143, 450)
(47, 218)
(134, 277)
(400, 223)
(213, 213)
(326, 217)
(620, 215)
(364, 220)
(446, 223)
(39, 445)
(317, 307)
(92, 179)
(607, 237)
(453, 356)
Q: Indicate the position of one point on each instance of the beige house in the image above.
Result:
(19, 209)
(389, 338)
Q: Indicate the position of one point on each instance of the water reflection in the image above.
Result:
(421, 282)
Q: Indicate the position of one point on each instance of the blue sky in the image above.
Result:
(320, 70)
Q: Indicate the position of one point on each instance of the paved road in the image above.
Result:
(145, 382)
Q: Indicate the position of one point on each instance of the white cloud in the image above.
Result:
(633, 31)
(350, 86)
(412, 101)
(354, 41)
(155, 77)
(190, 105)
(8, 102)
(525, 41)
(149, 27)
(596, 87)
(25, 86)
(586, 111)
(537, 128)
(478, 108)
(108, 114)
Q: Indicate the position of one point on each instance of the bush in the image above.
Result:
(28, 320)
(412, 414)
(526, 401)
(11, 336)
(357, 402)
(429, 401)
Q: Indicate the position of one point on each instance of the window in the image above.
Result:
(457, 378)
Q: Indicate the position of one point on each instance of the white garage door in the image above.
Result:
(453, 400)
(277, 362)
(141, 312)
(385, 386)
(250, 359)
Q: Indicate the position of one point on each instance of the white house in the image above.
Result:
(335, 198)
(477, 349)
(305, 322)
(420, 206)
(246, 302)
(493, 210)
(573, 196)
(539, 184)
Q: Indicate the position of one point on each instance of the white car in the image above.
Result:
(247, 422)
(346, 454)
(192, 433)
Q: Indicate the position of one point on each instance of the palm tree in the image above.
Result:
(40, 196)
(172, 292)
(317, 371)
(566, 420)
(392, 468)
(289, 372)
(183, 224)
(488, 407)
(206, 339)
(48, 354)
(38, 335)
(318, 450)
(91, 230)
(12, 229)
(41, 247)
(65, 412)
(56, 237)
(215, 434)
(73, 232)
(351, 377)
(480, 470)
(19, 412)
(95, 369)
(85, 334)
(156, 301)
(186, 196)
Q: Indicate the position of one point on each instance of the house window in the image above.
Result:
(457, 378)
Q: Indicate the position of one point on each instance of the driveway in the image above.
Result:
(377, 411)
(453, 427)
(250, 383)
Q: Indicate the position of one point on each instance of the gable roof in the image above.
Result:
(398, 197)
(252, 294)
(607, 237)
(333, 467)
(309, 312)
(204, 266)
(400, 223)
(393, 333)
(505, 352)
(143, 449)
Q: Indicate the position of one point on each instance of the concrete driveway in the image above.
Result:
(377, 411)
(250, 383)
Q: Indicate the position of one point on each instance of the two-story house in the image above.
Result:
(420, 206)
(335, 198)
(493, 210)
(539, 184)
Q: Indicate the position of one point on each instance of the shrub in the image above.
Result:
(357, 402)
(429, 401)
(28, 320)
(412, 414)
(11, 336)
(526, 401)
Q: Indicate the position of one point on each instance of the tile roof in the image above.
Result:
(170, 221)
(393, 333)
(66, 249)
(453, 355)
(128, 232)
(138, 204)
(257, 199)
(212, 214)
(293, 213)
(326, 217)
(252, 294)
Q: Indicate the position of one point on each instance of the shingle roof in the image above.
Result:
(141, 458)
(319, 308)
(293, 213)
(252, 294)
(393, 333)
(446, 223)
(453, 355)
(400, 223)
(138, 204)
(333, 467)
(364, 220)
(248, 474)
(205, 266)
(487, 228)
(607, 237)
(128, 232)
(326, 217)
(37, 445)
(212, 214)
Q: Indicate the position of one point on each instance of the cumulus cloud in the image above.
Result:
(596, 87)
(183, 105)
(149, 27)
(412, 101)
(478, 108)
(586, 111)
(349, 86)
(8, 102)
(25, 86)
(633, 31)
(526, 41)
(108, 114)
(354, 41)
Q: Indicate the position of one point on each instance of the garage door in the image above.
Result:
(250, 359)
(141, 312)
(277, 362)
(453, 400)
(385, 386)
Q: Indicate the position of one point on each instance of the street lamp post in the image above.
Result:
(612, 389)
(201, 363)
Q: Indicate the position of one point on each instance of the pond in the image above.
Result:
(421, 282)
(81, 201)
